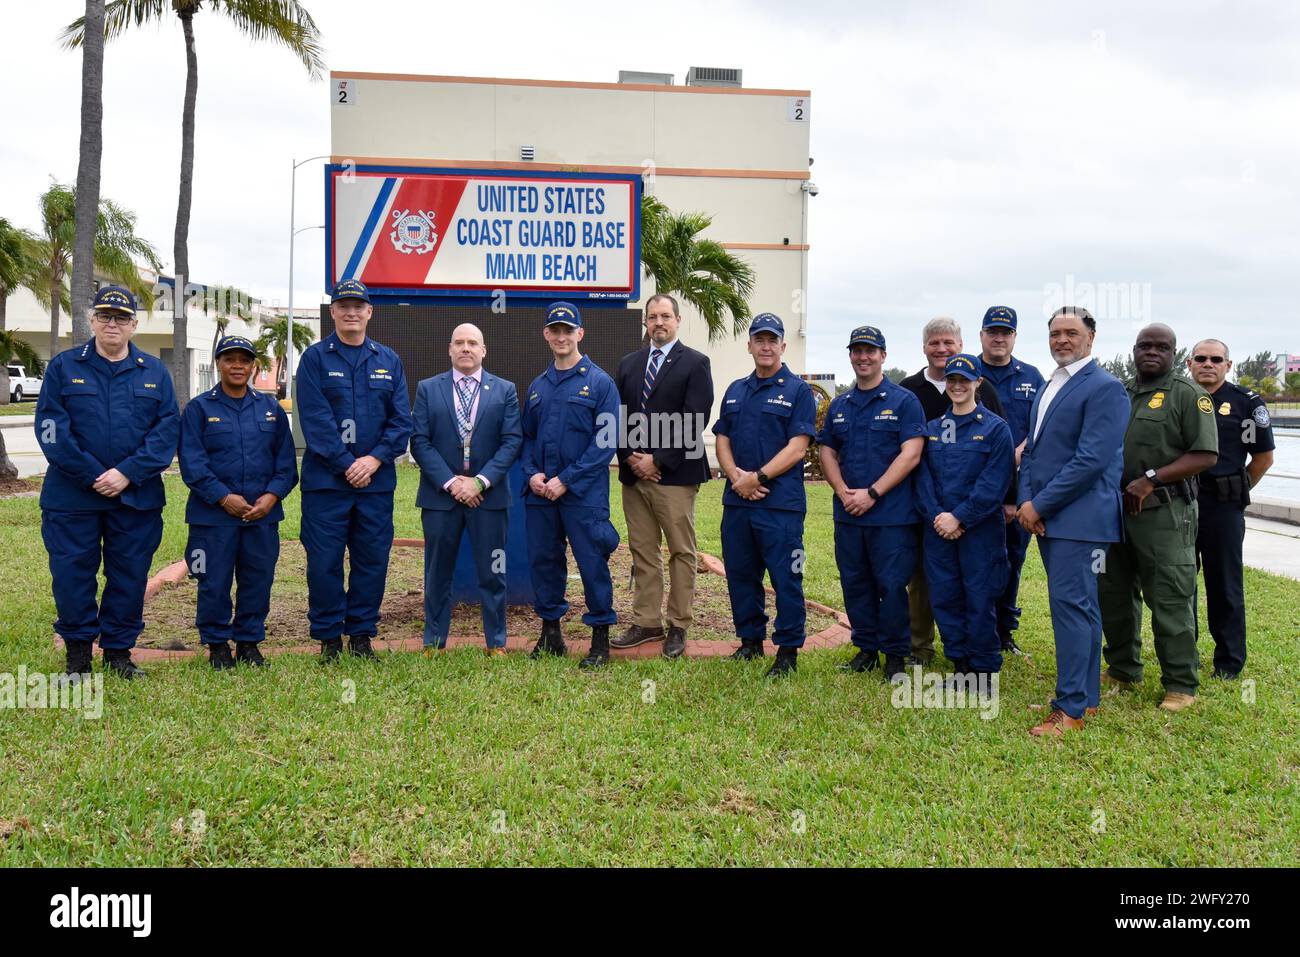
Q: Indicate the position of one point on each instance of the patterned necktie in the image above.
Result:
(651, 371)
(464, 406)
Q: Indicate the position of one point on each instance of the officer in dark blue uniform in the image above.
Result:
(763, 430)
(570, 420)
(871, 441)
(1245, 430)
(1017, 384)
(107, 422)
(969, 459)
(238, 459)
(356, 419)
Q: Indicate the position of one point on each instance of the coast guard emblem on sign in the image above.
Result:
(413, 232)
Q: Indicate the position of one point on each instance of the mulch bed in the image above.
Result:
(13, 487)
(169, 615)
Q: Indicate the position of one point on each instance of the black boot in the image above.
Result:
(747, 651)
(330, 649)
(118, 661)
(787, 662)
(551, 641)
(247, 653)
(863, 661)
(598, 656)
(219, 656)
(80, 654)
(1009, 646)
(360, 647)
(895, 666)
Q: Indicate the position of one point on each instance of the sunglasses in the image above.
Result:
(114, 320)
(1201, 360)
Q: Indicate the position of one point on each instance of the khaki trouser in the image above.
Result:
(918, 606)
(655, 512)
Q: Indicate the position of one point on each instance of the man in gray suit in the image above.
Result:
(467, 435)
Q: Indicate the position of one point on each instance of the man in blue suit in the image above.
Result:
(1070, 498)
(467, 435)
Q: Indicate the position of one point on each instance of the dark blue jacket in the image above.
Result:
(760, 417)
(570, 422)
(965, 467)
(244, 446)
(366, 404)
(90, 419)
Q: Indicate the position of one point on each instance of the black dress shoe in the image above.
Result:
(361, 648)
(598, 656)
(247, 653)
(787, 662)
(912, 661)
(219, 656)
(862, 661)
(330, 649)
(747, 651)
(675, 643)
(1226, 675)
(1009, 646)
(636, 635)
(80, 655)
(895, 666)
(119, 662)
(551, 641)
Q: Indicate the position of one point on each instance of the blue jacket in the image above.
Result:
(1072, 471)
(90, 419)
(1018, 384)
(494, 442)
(367, 404)
(965, 467)
(570, 422)
(230, 445)
(760, 417)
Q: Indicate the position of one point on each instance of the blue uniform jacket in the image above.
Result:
(366, 403)
(570, 422)
(244, 446)
(867, 431)
(966, 466)
(494, 442)
(1018, 384)
(90, 419)
(760, 417)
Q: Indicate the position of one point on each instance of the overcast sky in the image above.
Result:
(968, 154)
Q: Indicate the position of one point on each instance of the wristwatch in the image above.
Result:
(1151, 475)
(763, 477)
(875, 496)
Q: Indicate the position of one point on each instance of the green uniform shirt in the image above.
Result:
(1170, 416)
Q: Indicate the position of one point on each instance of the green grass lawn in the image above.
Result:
(462, 760)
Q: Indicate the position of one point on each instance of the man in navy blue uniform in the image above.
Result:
(969, 460)
(238, 458)
(467, 435)
(570, 422)
(763, 430)
(356, 419)
(107, 422)
(870, 442)
(1017, 384)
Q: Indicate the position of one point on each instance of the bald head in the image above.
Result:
(1153, 353)
(467, 350)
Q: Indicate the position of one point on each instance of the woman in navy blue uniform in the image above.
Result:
(237, 457)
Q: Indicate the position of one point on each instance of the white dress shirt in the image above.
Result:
(1062, 375)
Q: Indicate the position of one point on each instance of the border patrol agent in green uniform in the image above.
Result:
(1171, 438)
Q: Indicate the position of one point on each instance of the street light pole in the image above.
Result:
(288, 330)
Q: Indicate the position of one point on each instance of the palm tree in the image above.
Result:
(11, 347)
(92, 148)
(272, 342)
(116, 249)
(698, 271)
(282, 21)
(17, 265)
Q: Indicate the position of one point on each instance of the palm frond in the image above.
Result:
(281, 21)
(119, 16)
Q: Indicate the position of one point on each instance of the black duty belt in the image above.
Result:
(1227, 489)
(1184, 489)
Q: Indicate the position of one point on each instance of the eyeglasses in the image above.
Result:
(1217, 360)
(105, 320)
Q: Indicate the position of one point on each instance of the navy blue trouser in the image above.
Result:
(125, 539)
(592, 538)
(1017, 547)
(361, 522)
(876, 562)
(1220, 533)
(221, 555)
(965, 578)
(755, 540)
(1072, 568)
(443, 529)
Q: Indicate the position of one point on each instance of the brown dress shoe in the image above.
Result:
(675, 644)
(1177, 701)
(636, 635)
(1057, 723)
(495, 652)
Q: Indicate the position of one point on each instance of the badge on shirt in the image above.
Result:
(1225, 409)
(1157, 400)
(1205, 405)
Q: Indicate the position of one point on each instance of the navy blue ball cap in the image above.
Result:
(564, 312)
(232, 343)
(964, 365)
(351, 289)
(767, 322)
(114, 299)
(867, 336)
(1000, 317)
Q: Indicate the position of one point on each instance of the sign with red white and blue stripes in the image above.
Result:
(414, 232)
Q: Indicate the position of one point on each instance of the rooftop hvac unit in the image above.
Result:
(640, 76)
(712, 76)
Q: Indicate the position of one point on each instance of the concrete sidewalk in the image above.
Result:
(1272, 546)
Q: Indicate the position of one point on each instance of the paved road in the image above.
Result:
(20, 440)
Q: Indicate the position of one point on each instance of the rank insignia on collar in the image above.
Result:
(582, 368)
(1225, 409)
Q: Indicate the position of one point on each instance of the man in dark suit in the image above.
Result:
(666, 393)
(940, 340)
(467, 435)
(1070, 498)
